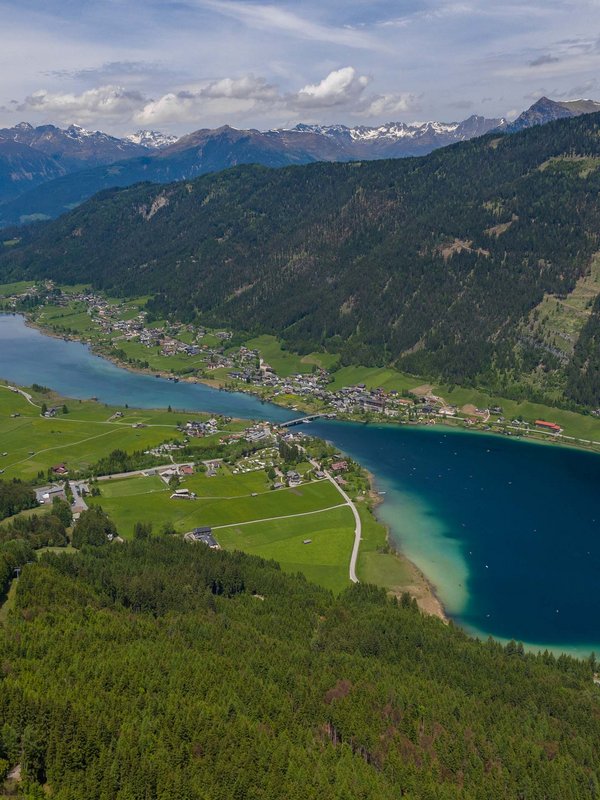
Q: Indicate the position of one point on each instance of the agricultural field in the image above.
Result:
(245, 514)
(88, 432)
(286, 363)
(324, 560)
(374, 378)
(579, 426)
(134, 499)
(9, 289)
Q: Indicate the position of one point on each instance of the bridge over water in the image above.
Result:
(308, 418)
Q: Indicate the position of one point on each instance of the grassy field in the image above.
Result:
(374, 378)
(286, 363)
(80, 438)
(325, 560)
(262, 524)
(578, 425)
(179, 363)
(129, 500)
(375, 563)
(8, 289)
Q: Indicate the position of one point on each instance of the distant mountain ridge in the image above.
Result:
(392, 139)
(439, 265)
(152, 139)
(46, 171)
(546, 110)
(32, 156)
(27, 194)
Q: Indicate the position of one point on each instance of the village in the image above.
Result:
(181, 351)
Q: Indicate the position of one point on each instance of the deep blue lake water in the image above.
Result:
(508, 531)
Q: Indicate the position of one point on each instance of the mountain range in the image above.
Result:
(546, 110)
(53, 170)
(45, 171)
(445, 265)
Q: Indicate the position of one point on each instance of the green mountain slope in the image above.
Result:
(163, 670)
(435, 264)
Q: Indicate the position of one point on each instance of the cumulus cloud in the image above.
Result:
(340, 87)
(387, 105)
(226, 95)
(104, 102)
(217, 101)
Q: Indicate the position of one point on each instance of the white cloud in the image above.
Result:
(104, 102)
(246, 88)
(340, 87)
(223, 96)
(390, 104)
(343, 91)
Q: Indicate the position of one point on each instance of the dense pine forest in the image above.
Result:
(160, 669)
(434, 264)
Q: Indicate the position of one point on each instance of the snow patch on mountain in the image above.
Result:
(152, 139)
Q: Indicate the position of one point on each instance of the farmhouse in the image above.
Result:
(548, 426)
(183, 494)
(339, 466)
(60, 469)
(205, 536)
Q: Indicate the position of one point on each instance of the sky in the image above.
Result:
(181, 65)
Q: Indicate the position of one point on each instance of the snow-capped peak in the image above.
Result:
(152, 139)
(388, 130)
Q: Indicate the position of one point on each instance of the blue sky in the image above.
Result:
(179, 65)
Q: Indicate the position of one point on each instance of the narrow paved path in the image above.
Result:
(273, 519)
(16, 390)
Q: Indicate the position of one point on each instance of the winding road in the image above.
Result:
(357, 523)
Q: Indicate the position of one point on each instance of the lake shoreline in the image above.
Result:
(420, 587)
(452, 423)
(417, 584)
(426, 532)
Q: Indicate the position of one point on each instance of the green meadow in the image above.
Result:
(324, 560)
(8, 289)
(130, 500)
(374, 378)
(286, 363)
(87, 433)
(264, 524)
(246, 515)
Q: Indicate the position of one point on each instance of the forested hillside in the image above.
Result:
(437, 264)
(163, 670)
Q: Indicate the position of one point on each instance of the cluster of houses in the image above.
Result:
(197, 429)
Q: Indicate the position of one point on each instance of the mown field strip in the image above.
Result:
(273, 519)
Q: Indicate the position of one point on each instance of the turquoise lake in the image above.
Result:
(507, 531)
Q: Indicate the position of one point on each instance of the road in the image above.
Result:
(27, 397)
(135, 472)
(357, 524)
